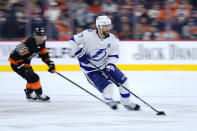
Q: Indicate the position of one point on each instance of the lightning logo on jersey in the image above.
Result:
(99, 55)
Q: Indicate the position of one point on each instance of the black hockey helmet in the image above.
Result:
(39, 31)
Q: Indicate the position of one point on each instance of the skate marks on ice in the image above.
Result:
(72, 109)
(85, 114)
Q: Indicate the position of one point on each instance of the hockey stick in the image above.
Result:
(83, 89)
(158, 112)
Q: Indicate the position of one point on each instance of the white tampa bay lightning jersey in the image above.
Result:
(101, 51)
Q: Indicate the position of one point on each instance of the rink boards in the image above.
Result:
(134, 55)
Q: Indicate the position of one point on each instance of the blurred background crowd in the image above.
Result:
(131, 19)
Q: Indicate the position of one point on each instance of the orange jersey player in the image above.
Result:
(20, 59)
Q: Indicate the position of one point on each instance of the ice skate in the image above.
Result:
(113, 105)
(132, 106)
(33, 97)
(30, 96)
(42, 98)
(129, 105)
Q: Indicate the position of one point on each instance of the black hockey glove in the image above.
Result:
(51, 66)
(109, 69)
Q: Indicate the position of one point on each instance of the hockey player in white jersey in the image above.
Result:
(101, 48)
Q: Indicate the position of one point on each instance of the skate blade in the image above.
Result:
(117, 102)
(39, 101)
(137, 108)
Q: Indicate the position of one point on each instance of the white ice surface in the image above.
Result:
(72, 109)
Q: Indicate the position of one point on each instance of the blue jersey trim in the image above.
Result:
(125, 95)
(78, 52)
(108, 98)
(89, 30)
(72, 39)
(113, 56)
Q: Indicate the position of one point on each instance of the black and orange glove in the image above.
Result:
(51, 66)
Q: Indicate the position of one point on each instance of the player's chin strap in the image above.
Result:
(81, 88)
(158, 112)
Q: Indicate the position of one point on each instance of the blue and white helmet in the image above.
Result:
(102, 20)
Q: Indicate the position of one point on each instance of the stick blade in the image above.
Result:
(161, 113)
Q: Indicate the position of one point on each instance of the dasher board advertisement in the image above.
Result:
(134, 55)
